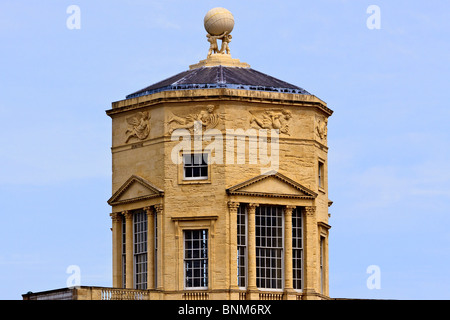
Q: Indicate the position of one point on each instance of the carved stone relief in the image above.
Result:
(138, 126)
(321, 129)
(271, 119)
(195, 123)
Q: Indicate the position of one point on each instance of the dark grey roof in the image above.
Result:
(220, 77)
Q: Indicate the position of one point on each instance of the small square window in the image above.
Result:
(195, 166)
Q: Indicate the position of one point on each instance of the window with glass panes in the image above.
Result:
(195, 166)
(196, 258)
(242, 245)
(140, 249)
(155, 263)
(297, 248)
(124, 258)
(269, 247)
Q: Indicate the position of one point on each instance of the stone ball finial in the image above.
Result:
(218, 21)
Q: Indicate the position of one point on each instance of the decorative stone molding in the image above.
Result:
(198, 221)
(241, 96)
(127, 214)
(159, 208)
(324, 228)
(252, 207)
(195, 218)
(289, 209)
(149, 210)
(116, 217)
(121, 196)
(249, 187)
(310, 211)
(233, 206)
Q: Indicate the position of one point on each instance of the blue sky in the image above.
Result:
(389, 168)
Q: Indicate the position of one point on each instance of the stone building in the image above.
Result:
(219, 187)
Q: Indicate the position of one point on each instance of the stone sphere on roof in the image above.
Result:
(218, 20)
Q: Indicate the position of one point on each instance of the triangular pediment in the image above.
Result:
(135, 189)
(272, 184)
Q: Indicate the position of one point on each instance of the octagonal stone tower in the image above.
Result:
(220, 185)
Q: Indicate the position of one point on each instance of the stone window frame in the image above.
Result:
(321, 174)
(323, 229)
(194, 223)
(192, 165)
(181, 177)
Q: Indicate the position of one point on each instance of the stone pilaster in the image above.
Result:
(311, 254)
(117, 249)
(288, 285)
(150, 248)
(159, 209)
(251, 254)
(129, 281)
(232, 248)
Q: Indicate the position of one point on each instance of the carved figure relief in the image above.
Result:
(272, 119)
(195, 123)
(321, 128)
(139, 126)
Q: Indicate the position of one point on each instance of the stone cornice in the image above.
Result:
(194, 218)
(271, 195)
(222, 94)
(324, 225)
